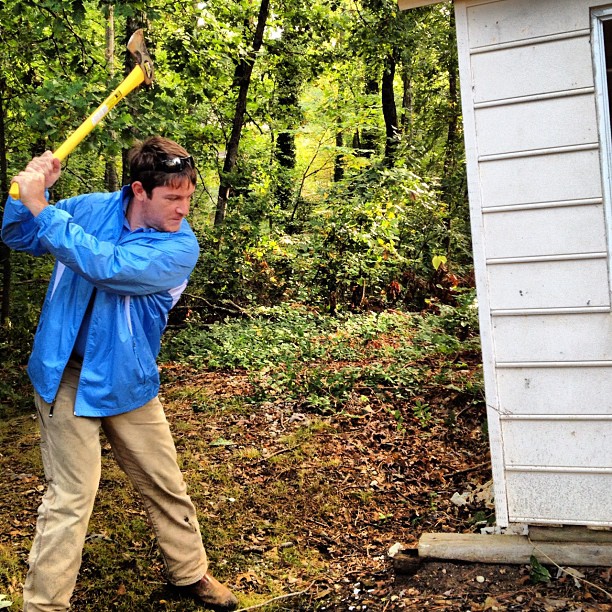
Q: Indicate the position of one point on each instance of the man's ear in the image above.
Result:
(139, 191)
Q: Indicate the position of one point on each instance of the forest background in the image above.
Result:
(327, 136)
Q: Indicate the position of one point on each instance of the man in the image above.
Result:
(122, 261)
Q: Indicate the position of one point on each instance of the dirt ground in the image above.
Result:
(298, 510)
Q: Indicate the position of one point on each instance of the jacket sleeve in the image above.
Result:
(19, 228)
(140, 265)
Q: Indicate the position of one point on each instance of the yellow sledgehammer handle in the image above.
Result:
(133, 80)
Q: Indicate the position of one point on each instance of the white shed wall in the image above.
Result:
(492, 23)
(534, 69)
(556, 177)
(528, 391)
(525, 126)
(536, 233)
(541, 256)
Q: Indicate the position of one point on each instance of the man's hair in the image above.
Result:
(146, 161)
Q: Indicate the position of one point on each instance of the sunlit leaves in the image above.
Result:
(307, 91)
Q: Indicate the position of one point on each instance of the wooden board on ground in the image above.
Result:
(512, 549)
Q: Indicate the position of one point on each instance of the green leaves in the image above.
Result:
(375, 229)
(327, 363)
(438, 260)
(538, 572)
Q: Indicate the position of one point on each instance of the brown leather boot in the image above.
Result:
(211, 593)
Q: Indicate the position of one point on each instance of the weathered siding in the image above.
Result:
(546, 338)
(495, 23)
(531, 70)
(535, 232)
(524, 126)
(524, 390)
(537, 445)
(556, 496)
(556, 177)
(571, 283)
(541, 257)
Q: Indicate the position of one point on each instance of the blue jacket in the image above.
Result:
(138, 277)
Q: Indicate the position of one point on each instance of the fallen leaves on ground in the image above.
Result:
(292, 501)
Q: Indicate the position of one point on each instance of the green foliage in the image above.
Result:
(377, 230)
(382, 236)
(279, 334)
(538, 573)
(462, 319)
(30, 278)
(369, 244)
(329, 362)
(422, 411)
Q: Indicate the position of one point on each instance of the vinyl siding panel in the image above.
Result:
(549, 284)
(538, 124)
(494, 23)
(541, 255)
(545, 231)
(531, 70)
(553, 337)
(558, 443)
(580, 389)
(548, 497)
(528, 179)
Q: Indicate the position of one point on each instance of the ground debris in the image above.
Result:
(296, 503)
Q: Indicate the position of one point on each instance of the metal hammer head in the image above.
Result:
(136, 46)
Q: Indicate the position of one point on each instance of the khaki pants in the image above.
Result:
(70, 445)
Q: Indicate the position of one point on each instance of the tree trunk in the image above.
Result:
(285, 156)
(284, 152)
(339, 159)
(111, 180)
(452, 138)
(5, 253)
(242, 78)
(389, 109)
(406, 120)
(369, 136)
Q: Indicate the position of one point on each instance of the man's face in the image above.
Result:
(167, 206)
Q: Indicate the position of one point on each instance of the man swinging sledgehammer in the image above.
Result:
(122, 261)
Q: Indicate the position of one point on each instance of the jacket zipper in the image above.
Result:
(51, 408)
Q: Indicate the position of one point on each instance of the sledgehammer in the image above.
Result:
(141, 73)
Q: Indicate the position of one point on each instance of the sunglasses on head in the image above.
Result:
(174, 164)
